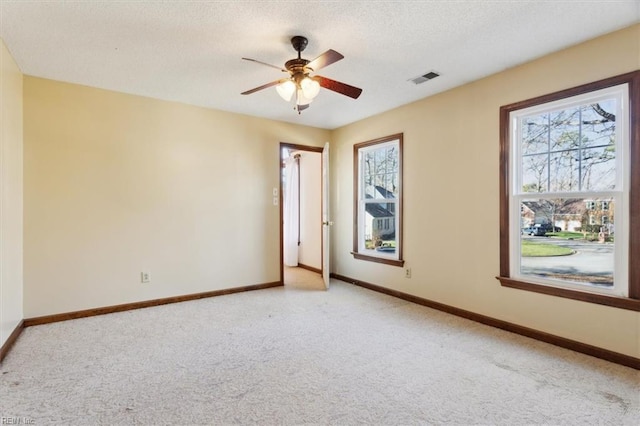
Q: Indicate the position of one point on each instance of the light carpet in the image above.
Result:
(293, 356)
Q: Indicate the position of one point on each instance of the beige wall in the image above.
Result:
(11, 193)
(451, 196)
(118, 184)
(310, 253)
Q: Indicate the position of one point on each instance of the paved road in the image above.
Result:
(591, 260)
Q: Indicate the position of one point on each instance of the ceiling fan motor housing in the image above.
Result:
(297, 68)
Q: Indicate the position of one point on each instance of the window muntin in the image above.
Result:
(570, 158)
(378, 200)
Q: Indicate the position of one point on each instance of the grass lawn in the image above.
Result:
(387, 243)
(566, 235)
(589, 236)
(533, 249)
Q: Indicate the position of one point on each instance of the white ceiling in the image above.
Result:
(190, 51)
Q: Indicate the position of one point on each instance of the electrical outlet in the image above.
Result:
(145, 276)
(275, 201)
(407, 272)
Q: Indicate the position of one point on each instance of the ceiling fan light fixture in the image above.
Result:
(310, 88)
(286, 89)
(301, 99)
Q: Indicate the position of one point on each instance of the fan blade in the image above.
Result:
(327, 58)
(302, 107)
(264, 86)
(264, 63)
(336, 86)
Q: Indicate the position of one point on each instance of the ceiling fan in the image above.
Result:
(300, 82)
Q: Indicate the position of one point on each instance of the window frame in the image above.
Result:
(396, 259)
(592, 197)
(632, 300)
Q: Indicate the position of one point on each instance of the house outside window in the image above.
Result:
(378, 200)
(564, 156)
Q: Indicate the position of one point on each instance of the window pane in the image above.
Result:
(379, 227)
(535, 173)
(598, 168)
(381, 160)
(535, 134)
(568, 239)
(392, 160)
(369, 191)
(368, 163)
(598, 123)
(390, 185)
(564, 171)
(380, 183)
(565, 129)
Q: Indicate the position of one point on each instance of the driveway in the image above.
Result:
(592, 261)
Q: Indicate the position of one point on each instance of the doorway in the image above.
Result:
(301, 237)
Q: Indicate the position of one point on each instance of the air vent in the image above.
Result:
(428, 76)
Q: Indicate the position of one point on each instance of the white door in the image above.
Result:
(326, 223)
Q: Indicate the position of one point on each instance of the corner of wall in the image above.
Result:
(11, 197)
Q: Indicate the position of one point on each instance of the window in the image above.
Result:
(377, 233)
(573, 159)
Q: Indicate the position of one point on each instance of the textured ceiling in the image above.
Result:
(190, 51)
